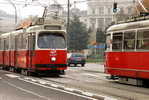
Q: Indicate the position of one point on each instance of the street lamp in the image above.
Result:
(68, 21)
(68, 15)
(15, 10)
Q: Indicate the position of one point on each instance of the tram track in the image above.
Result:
(96, 87)
(77, 86)
(111, 85)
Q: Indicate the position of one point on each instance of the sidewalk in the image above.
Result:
(94, 67)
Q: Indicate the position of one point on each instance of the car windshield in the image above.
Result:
(77, 55)
(46, 40)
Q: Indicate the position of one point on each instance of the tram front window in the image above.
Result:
(52, 40)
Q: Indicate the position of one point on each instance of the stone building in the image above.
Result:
(100, 13)
(6, 24)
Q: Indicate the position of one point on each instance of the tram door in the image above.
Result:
(2, 52)
(31, 49)
(6, 51)
(16, 52)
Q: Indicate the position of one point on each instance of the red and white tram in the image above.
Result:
(127, 54)
(38, 48)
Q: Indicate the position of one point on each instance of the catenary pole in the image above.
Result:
(68, 20)
(14, 6)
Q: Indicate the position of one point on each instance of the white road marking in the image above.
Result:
(108, 98)
(87, 94)
(42, 82)
(58, 89)
(54, 85)
(69, 89)
(95, 76)
(90, 74)
(0, 78)
(12, 75)
(33, 80)
(27, 78)
(43, 97)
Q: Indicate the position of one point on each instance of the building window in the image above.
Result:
(93, 23)
(101, 23)
(101, 10)
(121, 11)
(129, 10)
(93, 11)
(109, 10)
(108, 21)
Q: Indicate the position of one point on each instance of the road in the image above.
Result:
(79, 83)
(15, 87)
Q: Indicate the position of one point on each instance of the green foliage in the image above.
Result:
(100, 36)
(78, 35)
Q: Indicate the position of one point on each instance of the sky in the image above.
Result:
(24, 11)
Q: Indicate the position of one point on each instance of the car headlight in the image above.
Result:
(53, 59)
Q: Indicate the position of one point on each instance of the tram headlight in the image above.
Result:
(53, 59)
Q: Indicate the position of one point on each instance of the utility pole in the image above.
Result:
(68, 15)
(15, 10)
(114, 11)
(45, 12)
(68, 21)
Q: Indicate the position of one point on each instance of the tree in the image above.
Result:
(78, 35)
(100, 36)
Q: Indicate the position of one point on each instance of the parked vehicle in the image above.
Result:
(76, 58)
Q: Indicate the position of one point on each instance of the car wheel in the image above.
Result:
(82, 65)
(75, 65)
(62, 72)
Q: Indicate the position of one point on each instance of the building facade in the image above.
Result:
(7, 24)
(100, 13)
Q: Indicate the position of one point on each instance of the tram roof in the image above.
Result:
(129, 25)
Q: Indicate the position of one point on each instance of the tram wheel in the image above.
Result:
(62, 72)
(25, 72)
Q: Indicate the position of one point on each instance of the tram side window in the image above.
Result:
(6, 44)
(12, 43)
(129, 40)
(20, 41)
(143, 40)
(0, 44)
(117, 41)
(24, 42)
(108, 42)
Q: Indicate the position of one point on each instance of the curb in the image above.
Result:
(77, 91)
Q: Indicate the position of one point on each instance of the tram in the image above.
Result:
(127, 53)
(36, 49)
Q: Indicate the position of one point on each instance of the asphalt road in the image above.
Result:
(14, 87)
(79, 83)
